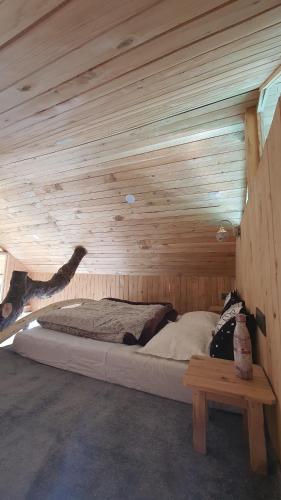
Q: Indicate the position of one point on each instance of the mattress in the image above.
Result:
(115, 363)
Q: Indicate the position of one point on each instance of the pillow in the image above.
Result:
(153, 327)
(231, 298)
(189, 336)
(222, 343)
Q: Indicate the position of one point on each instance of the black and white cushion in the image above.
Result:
(231, 298)
(222, 343)
(229, 313)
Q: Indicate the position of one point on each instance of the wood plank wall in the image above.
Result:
(187, 293)
(12, 264)
(258, 269)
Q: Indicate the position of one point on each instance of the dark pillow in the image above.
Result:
(152, 328)
(232, 298)
(222, 342)
(129, 339)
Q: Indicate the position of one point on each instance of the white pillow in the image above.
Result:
(189, 336)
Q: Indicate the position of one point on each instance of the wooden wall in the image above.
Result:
(3, 262)
(258, 270)
(12, 264)
(187, 293)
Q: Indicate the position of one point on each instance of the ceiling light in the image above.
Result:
(35, 237)
(130, 198)
(221, 234)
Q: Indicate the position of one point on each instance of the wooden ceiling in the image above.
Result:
(104, 98)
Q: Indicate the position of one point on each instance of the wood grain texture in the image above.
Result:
(199, 407)
(3, 262)
(181, 193)
(18, 16)
(217, 376)
(258, 454)
(12, 265)
(259, 266)
(186, 293)
(102, 99)
(215, 380)
(252, 146)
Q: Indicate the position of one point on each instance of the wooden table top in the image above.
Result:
(218, 376)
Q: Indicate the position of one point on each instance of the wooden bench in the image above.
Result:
(215, 380)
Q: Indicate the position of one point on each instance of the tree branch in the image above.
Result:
(22, 288)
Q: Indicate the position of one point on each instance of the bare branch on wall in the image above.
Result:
(22, 288)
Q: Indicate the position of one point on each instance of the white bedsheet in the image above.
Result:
(115, 363)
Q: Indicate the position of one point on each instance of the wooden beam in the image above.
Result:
(252, 146)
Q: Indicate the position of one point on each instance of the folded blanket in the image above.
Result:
(106, 320)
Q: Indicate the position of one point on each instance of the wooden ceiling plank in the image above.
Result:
(145, 177)
(120, 146)
(99, 38)
(200, 212)
(17, 16)
(179, 170)
(128, 153)
(67, 122)
(66, 160)
(203, 151)
(75, 62)
(127, 224)
(188, 123)
(149, 85)
(225, 108)
(147, 198)
(129, 187)
(136, 169)
(44, 106)
(65, 125)
(53, 38)
(158, 204)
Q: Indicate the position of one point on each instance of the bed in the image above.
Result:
(116, 363)
(156, 367)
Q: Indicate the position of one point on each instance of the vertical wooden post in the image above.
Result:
(258, 455)
(199, 421)
(252, 146)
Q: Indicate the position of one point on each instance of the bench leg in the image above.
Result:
(245, 421)
(257, 444)
(199, 421)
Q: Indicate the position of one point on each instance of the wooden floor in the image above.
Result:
(101, 99)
